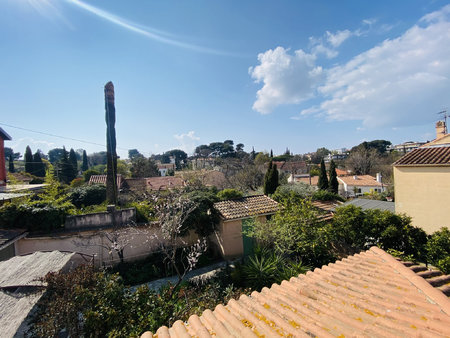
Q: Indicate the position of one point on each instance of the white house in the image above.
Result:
(356, 185)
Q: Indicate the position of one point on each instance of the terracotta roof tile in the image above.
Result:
(246, 207)
(426, 156)
(101, 179)
(164, 183)
(361, 180)
(368, 294)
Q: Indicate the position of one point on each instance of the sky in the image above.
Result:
(268, 74)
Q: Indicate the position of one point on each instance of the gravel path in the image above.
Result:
(199, 274)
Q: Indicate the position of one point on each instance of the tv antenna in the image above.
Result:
(444, 115)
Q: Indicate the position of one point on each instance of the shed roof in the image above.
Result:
(17, 302)
(425, 156)
(101, 179)
(245, 207)
(368, 294)
(8, 236)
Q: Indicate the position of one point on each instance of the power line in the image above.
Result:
(53, 135)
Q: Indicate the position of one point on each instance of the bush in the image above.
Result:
(228, 194)
(325, 195)
(287, 191)
(88, 195)
(77, 182)
(37, 180)
(439, 250)
(144, 211)
(34, 216)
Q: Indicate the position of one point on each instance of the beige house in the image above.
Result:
(234, 214)
(422, 183)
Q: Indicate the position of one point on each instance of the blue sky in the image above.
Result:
(269, 74)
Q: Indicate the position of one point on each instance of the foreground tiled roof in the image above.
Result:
(360, 180)
(8, 236)
(426, 156)
(246, 207)
(367, 204)
(366, 295)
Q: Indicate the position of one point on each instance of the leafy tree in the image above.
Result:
(134, 153)
(54, 155)
(262, 158)
(88, 195)
(298, 192)
(319, 155)
(11, 164)
(239, 147)
(438, 248)
(97, 158)
(379, 145)
(10, 152)
(204, 217)
(38, 165)
(29, 167)
(73, 159)
(322, 184)
(85, 164)
(88, 173)
(363, 161)
(143, 167)
(123, 168)
(334, 184)
(179, 155)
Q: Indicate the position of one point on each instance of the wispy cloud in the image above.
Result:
(151, 33)
(187, 141)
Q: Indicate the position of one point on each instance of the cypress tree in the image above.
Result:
(323, 179)
(271, 153)
(73, 160)
(85, 165)
(11, 164)
(29, 167)
(334, 184)
(67, 172)
(271, 179)
(39, 166)
(275, 178)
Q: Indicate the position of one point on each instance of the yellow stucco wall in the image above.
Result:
(424, 194)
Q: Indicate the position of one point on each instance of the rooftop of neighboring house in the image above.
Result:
(360, 181)
(101, 179)
(9, 236)
(291, 166)
(313, 180)
(166, 166)
(246, 207)
(164, 183)
(367, 294)
(366, 204)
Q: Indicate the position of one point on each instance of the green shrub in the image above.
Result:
(438, 247)
(144, 211)
(88, 195)
(77, 182)
(228, 194)
(88, 173)
(325, 195)
(37, 180)
(287, 191)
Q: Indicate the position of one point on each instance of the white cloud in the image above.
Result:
(19, 145)
(288, 78)
(400, 82)
(188, 141)
(336, 39)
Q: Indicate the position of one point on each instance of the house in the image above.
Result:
(405, 147)
(3, 137)
(291, 167)
(370, 294)
(235, 216)
(357, 185)
(21, 287)
(422, 183)
(166, 168)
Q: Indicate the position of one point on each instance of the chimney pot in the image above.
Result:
(440, 129)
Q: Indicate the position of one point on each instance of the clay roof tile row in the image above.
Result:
(426, 156)
(368, 294)
(246, 207)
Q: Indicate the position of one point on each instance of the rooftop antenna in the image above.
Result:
(445, 115)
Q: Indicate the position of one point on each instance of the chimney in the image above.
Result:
(379, 177)
(355, 177)
(440, 129)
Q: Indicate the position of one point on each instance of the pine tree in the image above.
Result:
(334, 184)
(85, 165)
(29, 167)
(323, 179)
(11, 164)
(73, 160)
(38, 165)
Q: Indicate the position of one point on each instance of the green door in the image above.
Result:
(248, 242)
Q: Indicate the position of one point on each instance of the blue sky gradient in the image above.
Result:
(296, 74)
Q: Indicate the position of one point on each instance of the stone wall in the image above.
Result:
(121, 218)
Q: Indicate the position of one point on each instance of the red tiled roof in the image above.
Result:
(246, 207)
(341, 172)
(361, 180)
(101, 179)
(369, 294)
(426, 156)
(314, 180)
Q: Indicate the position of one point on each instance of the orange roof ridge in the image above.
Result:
(436, 296)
